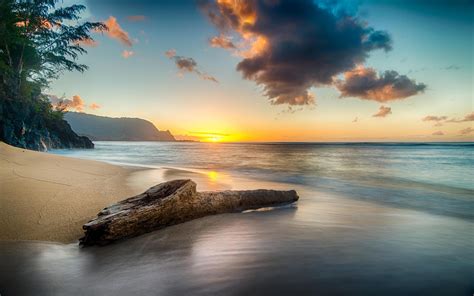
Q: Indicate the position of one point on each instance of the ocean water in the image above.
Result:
(372, 219)
(432, 177)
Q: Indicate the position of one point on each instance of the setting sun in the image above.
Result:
(214, 139)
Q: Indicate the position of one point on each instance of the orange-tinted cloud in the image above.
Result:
(438, 133)
(76, 103)
(94, 106)
(383, 112)
(127, 53)
(366, 84)
(222, 42)
(290, 46)
(170, 53)
(188, 65)
(466, 131)
(136, 18)
(116, 32)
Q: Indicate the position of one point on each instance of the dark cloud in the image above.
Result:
(383, 112)
(185, 64)
(291, 46)
(188, 65)
(364, 83)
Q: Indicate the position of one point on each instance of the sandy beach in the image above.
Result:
(49, 197)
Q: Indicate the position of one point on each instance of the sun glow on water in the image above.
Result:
(213, 175)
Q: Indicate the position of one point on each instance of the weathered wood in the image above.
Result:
(171, 203)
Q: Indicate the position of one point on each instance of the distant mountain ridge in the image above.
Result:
(101, 128)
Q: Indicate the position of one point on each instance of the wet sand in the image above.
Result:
(323, 245)
(48, 197)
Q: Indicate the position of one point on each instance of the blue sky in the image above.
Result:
(431, 44)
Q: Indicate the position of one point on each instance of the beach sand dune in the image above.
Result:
(49, 197)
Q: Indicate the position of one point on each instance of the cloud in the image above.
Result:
(452, 67)
(468, 117)
(466, 131)
(438, 133)
(127, 53)
(356, 119)
(291, 46)
(222, 42)
(94, 106)
(116, 32)
(290, 110)
(188, 65)
(366, 84)
(383, 112)
(210, 134)
(76, 103)
(438, 119)
(170, 53)
(136, 18)
(188, 138)
(434, 118)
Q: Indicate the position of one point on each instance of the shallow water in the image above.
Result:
(371, 220)
(436, 177)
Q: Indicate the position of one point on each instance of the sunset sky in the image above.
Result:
(274, 70)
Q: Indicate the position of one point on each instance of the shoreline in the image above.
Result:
(46, 197)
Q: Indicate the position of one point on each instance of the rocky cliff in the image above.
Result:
(34, 126)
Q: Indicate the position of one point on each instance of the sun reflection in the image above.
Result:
(213, 175)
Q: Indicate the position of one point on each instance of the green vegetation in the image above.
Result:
(38, 41)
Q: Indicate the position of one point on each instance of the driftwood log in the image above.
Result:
(171, 203)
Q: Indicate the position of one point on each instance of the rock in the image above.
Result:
(171, 203)
(32, 125)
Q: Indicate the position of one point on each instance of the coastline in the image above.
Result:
(370, 233)
(49, 197)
